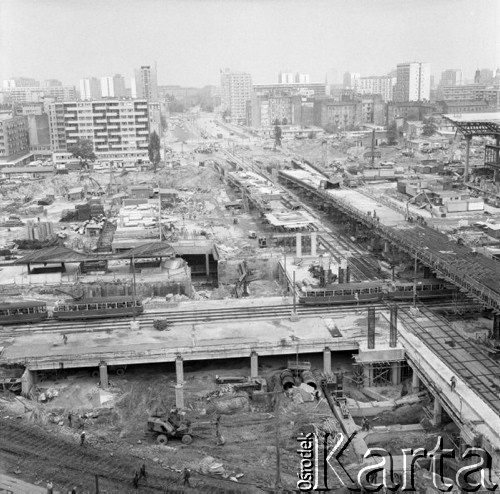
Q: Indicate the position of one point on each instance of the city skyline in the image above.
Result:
(196, 41)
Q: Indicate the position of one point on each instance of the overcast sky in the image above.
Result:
(191, 40)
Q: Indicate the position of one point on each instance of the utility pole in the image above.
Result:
(278, 454)
(373, 147)
(133, 287)
(294, 295)
(159, 209)
(415, 281)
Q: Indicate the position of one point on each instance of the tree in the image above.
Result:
(154, 150)
(429, 128)
(277, 136)
(83, 150)
(392, 134)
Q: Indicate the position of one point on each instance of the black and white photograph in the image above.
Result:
(249, 246)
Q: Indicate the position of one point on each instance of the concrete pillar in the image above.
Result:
(298, 246)
(103, 375)
(207, 265)
(467, 155)
(179, 369)
(396, 373)
(415, 382)
(314, 240)
(437, 413)
(254, 365)
(368, 375)
(28, 380)
(179, 396)
(327, 360)
(495, 334)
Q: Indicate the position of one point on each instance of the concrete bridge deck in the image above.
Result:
(437, 351)
(476, 275)
(201, 341)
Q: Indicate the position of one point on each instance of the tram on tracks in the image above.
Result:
(22, 312)
(366, 292)
(97, 308)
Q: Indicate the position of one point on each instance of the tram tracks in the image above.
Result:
(204, 316)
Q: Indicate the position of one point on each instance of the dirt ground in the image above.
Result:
(119, 443)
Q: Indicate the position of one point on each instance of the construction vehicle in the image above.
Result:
(174, 425)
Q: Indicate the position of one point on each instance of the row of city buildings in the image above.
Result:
(294, 100)
(40, 120)
(144, 84)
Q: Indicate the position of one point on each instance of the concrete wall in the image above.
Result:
(121, 288)
(263, 268)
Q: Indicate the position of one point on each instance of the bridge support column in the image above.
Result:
(179, 396)
(207, 266)
(495, 334)
(298, 246)
(437, 413)
(103, 375)
(327, 361)
(179, 369)
(28, 380)
(254, 365)
(313, 243)
(368, 375)
(415, 382)
(396, 373)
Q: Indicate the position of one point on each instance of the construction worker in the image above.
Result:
(142, 472)
(65, 339)
(366, 424)
(186, 476)
(69, 418)
(135, 481)
(50, 487)
(453, 383)
(82, 438)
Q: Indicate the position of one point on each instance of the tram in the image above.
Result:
(97, 308)
(22, 312)
(374, 292)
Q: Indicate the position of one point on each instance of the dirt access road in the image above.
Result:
(42, 456)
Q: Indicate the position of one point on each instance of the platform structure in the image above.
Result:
(436, 352)
(477, 276)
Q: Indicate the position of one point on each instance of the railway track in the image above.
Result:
(180, 318)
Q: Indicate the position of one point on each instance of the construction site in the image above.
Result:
(198, 319)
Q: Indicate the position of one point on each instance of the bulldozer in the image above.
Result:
(174, 425)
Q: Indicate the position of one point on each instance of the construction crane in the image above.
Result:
(93, 185)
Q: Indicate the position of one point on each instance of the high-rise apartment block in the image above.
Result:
(451, 77)
(146, 83)
(90, 88)
(382, 85)
(52, 82)
(14, 139)
(20, 82)
(291, 78)
(119, 87)
(413, 82)
(350, 80)
(286, 78)
(119, 129)
(236, 90)
(38, 94)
